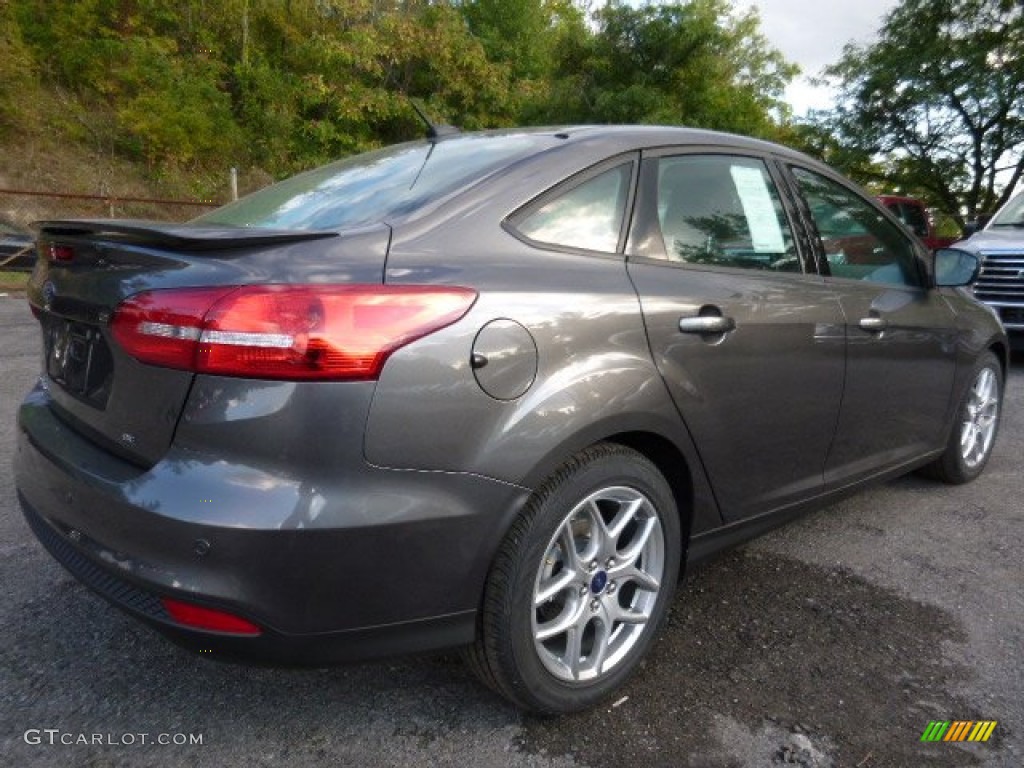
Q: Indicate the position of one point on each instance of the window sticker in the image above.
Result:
(759, 208)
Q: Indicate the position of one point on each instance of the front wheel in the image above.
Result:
(581, 583)
(974, 432)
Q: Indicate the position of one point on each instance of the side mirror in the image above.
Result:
(954, 268)
(970, 228)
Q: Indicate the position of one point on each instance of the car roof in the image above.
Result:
(563, 150)
(626, 137)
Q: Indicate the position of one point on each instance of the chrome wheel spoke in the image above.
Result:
(626, 514)
(968, 435)
(565, 622)
(639, 540)
(573, 651)
(567, 543)
(550, 589)
(630, 573)
(629, 615)
(599, 531)
(600, 646)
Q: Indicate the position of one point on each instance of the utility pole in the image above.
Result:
(245, 34)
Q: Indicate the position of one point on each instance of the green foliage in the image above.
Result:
(287, 84)
(940, 100)
(16, 69)
(523, 33)
(694, 63)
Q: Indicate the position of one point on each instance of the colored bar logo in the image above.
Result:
(959, 730)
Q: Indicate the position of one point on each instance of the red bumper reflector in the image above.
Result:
(198, 617)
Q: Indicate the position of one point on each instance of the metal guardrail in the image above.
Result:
(18, 262)
(7, 263)
(108, 199)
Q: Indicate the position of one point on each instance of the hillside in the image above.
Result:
(158, 98)
(48, 162)
(41, 163)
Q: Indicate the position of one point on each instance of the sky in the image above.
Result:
(812, 33)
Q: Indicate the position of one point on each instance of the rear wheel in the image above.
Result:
(977, 421)
(580, 584)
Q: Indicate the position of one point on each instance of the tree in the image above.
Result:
(16, 75)
(938, 102)
(686, 62)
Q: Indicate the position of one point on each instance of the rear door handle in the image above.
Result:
(873, 324)
(706, 324)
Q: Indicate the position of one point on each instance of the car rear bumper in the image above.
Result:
(378, 563)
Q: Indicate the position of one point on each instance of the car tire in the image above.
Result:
(580, 584)
(974, 430)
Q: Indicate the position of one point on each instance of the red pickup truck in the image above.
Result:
(914, 216)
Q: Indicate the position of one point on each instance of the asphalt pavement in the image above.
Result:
(831, 642)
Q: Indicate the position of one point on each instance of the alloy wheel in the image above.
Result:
(597, 584)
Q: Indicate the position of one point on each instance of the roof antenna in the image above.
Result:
(434, 130)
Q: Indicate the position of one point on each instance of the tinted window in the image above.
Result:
(911, 215)
(375, 186)
(914, 217)
(588, 216)
(859, 242)
(724, 211)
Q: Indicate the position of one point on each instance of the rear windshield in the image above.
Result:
(375, 186)
(1012, 214)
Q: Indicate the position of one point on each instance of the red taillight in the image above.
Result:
(309, 332)
(198, 617)
(60, 252)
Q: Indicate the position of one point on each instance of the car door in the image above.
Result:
(749, 341)
(901, 340)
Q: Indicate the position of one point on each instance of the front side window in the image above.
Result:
(587, 216)
(859, 242)
(723, 211)
(914, 217)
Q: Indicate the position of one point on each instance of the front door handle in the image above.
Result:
(873, 324)
(706, 324)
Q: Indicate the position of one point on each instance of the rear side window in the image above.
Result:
(587, 216)
(859, 242)
(720, 210)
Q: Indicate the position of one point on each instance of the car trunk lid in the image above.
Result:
(88, 268)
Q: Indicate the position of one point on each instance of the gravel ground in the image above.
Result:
(831, 642)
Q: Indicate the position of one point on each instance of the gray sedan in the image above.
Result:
(486, 390)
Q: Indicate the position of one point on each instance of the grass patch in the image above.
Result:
(13, 281)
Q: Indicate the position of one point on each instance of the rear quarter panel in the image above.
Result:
(595, 375)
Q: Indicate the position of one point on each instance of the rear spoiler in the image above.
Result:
(185, 237)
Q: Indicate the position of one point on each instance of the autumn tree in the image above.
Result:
(936, 104)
